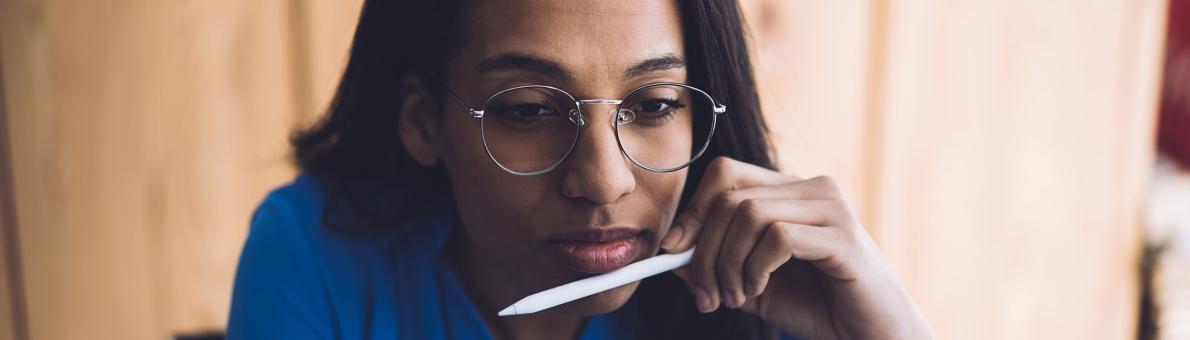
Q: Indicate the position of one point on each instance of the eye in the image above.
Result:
(525, 114)
(524, 111)
(657, 108)
(654, 106)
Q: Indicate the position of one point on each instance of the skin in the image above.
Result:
(788, 250)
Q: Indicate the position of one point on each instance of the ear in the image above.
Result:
(418, 124)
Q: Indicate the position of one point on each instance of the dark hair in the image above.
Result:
(373, 185)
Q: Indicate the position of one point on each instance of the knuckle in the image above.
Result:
(825, 180)
(838, 207)
(751, 207)
(720, 165)
(728, 199)
(780, 235)
(829, 185)
(750, 214)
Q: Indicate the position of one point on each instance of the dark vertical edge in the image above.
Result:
(9, 233)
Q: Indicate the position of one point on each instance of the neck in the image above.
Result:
(486, 279)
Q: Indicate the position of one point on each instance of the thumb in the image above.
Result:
(680, 235)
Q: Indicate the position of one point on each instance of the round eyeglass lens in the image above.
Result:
(529, 130)
(665, 127)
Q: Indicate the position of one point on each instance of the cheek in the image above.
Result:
(663, 192)
(489, 200)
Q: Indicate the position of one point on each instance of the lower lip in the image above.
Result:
(598, 257)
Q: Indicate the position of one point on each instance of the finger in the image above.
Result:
(722, 174)
(705, 271)
(744, 232)
(751, 220)
(710, 238)
(783, 242)
(704, 266)
(686, 228)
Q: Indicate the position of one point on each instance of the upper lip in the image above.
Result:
(595, 234)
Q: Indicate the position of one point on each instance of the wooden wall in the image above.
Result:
(995, 149)
(142, 134)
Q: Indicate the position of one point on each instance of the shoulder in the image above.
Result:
(285, 230)
(278, 280)
(288, 231)
(285, 225)
(294, 206)
(290, 224)
(298, 274)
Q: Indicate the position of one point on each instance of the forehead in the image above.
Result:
(589, 37)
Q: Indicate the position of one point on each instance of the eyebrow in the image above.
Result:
(521, 62)
(551, 69)
(662, 63)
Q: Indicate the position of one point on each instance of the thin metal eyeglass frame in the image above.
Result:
(578, 117)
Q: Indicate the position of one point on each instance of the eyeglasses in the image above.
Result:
(661, 127)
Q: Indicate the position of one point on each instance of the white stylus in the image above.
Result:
(598, 283)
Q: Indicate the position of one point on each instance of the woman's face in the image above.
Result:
(595, 212)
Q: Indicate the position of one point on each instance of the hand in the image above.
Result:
(792, 252)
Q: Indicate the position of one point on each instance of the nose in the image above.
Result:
(597, 170)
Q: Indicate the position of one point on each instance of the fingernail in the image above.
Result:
(728, 298)
(753, 289)
(671, 238)
(703, 300)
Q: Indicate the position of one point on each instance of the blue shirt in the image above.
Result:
(299, 280)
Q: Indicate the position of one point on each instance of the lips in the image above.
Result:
(597, 250)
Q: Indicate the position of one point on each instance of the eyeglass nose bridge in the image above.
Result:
(577, 116)
(599, 101)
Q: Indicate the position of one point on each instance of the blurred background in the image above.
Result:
(1023, 164)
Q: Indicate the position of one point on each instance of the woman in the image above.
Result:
(481, 151)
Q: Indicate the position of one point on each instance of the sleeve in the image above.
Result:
(278, 293)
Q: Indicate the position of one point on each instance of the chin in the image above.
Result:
(605, 302)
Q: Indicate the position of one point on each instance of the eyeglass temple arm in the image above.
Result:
(470, 111)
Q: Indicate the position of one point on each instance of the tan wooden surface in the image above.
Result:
(12, 313)
(143, 134)
(995, 149)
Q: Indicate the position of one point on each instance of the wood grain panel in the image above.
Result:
(1015, 141)
(143, 133)
(811, 60)
(996, 149)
